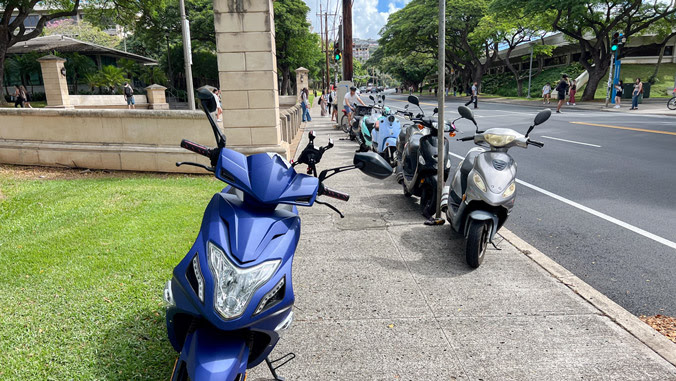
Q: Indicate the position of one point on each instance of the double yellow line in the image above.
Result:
(626, 128)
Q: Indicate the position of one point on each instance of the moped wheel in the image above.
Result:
(477, 242)
(406, 192)
(671, 105)
(428, 201)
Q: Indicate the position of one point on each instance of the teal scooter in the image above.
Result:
(369, 123)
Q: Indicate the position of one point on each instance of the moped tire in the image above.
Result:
(406, 192)
(428, 201)
(477, 242)
(671, 104)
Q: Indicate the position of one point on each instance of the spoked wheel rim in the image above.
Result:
(671, 105)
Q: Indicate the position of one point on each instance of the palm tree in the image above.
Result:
(153, 74)
(78, 67)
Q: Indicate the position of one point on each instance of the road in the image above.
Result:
(598, 198)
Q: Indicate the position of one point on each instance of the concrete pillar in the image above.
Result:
(54, 77)
(302, 80)
(157, 99)
(247, 71)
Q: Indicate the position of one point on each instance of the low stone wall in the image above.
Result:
(135, 140)
(106, 101)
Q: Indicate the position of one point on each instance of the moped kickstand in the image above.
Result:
(273, 369)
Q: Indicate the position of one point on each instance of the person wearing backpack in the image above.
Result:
(561, 89)
(129, 96)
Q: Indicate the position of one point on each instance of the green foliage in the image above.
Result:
(108, 78)
(25, 66)
(83, 31)
(84, 264)
(153, 75)
(505, 84)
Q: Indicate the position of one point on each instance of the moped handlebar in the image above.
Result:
(536, 143)
(324, 191)
(466, 138)
(197, 148)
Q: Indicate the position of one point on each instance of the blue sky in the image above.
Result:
(368, 16)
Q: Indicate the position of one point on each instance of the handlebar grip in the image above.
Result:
(466, 138)
(324, 191)
(196, 148)
(536, 143)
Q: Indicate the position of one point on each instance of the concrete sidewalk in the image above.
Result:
(380, 296)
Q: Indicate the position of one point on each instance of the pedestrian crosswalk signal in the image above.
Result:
(337, 55)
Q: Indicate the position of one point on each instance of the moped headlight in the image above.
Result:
(234, 286)
(510, 190)
(479, 182)
(421, 160)
(499, 140)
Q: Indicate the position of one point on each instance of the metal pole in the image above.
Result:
(347, 40)
(441, 167)
(326, 41)
(187, 56)
(610, 78)
(530, 69)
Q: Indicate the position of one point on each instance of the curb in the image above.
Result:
(640, 330)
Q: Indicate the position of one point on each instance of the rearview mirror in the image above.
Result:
(372, 164)
(207, 99)
(371, 97)
(466, 113)
(542, 117)
(436, 110)
(383, 97)
(413, 99)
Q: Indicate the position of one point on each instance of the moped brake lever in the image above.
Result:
(180, 163)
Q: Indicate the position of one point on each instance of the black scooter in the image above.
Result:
(417, 153)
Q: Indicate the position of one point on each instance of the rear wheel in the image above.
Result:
(428, 201)
(477, 242)
(671, 105)
(344, 123)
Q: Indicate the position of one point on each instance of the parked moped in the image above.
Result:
(482, 191)
(417, 155)
(385, 137)
(231, 296)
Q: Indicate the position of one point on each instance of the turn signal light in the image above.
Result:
(420, 126)
(452, 134)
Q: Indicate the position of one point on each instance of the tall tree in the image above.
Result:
(13, 30)
(591, 23)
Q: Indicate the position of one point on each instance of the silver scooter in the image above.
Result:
(481, 193)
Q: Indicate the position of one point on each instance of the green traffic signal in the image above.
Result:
(613, 48)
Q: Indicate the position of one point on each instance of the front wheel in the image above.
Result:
(477, 242)
(671, 104)
(344, 123)
(428, 201)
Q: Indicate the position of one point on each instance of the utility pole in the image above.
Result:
(347, 40)
(530, 69)
(321, 31)
(441, 160)
(326, 41)
(187, 56)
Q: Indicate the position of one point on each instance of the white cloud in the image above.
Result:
(366, 19)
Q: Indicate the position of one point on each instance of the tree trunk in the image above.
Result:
(659, 62)
(595, 76)
(285, 81)
(3, 56)
(519, 86)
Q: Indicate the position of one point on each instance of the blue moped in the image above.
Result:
(385, 137)
(232, 294)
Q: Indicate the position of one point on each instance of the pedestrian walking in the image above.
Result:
(305, 105)
(618, 94)
(638, 90)
(561, 89)
(26, 97)
(571, 93)
(129, 96)
(474, 95)
(219, 106)
(332, 105)
(455, 91)
(18, 97)
(323, 103)
(547, 93)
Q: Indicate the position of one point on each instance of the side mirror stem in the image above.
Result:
(218, 135)
(529, 130)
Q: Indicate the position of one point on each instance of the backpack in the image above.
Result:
(127, 91)
(330, 98)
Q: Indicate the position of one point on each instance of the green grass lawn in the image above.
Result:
(629, 73)
(84, 262)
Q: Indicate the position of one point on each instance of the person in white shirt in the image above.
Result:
(350, 100)
(334, 104)
(547, 93)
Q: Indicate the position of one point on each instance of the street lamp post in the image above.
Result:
(187, 56)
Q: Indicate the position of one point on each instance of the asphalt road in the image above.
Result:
(599, 200)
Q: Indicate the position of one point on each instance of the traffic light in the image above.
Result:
(616, 41)
(337, 55)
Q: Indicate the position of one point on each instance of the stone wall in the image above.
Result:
(134, 140)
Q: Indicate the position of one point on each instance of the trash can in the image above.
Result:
(646, 90)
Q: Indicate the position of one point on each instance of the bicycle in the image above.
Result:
(671, 103)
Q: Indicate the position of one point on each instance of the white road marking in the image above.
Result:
(596, 213)
(571, 141)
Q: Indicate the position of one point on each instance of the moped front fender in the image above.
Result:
(482, 215)
(210, 355)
